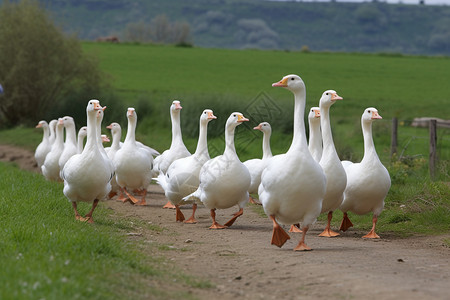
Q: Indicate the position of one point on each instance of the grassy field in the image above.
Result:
(46, 254)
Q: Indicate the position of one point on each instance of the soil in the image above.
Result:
(240, 262)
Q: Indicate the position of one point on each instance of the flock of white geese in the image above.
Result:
(294, 188)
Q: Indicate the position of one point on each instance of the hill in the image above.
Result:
(318, 26)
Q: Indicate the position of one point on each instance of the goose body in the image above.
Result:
(133, 165)
(293, 184)
(87, 175)
(330, 163)
(224, 180)
(70, 145)
(44, 146)
(182, 177)
(256, 166)
(50, 168)
(368, 182)
(315, 136)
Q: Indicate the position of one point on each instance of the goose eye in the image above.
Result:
(369, 111)
(292, 78)
(326, 94)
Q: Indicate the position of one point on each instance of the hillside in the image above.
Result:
(330, 26)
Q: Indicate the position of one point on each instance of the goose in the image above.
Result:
(368, 182)
(50, 168)
(133, 165)
(82, 133)
(315, 136)
(177, 148)
(116, 133)
(182, 177)
(293, 184)
(52, 127)
(87, 175)
(256, 166)
(330, 163)
(44, 146)
(70, 145)
(224, 180)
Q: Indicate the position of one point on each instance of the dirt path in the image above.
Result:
(242, 264)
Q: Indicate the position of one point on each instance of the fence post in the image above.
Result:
(433, 142)
(394, 136)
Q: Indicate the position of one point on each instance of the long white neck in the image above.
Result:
(59, 140)
(315, 139)
(370, 152)
(52, 136)
(230, 150)
(116, 139)
(80, 143)
(46, 134)
(299, 139)
(202, 144)
(327, 136)
(91, 139)
(71, 135)
(176, 128)
(131, 132)
(267, 152)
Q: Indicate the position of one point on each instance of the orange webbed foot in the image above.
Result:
(346, 223)
(295, 228)
(169, 205)
(328, 233)
(216, 225)
(302, 247)
(179, 215)
(371, 235)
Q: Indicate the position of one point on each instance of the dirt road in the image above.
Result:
(242, 264)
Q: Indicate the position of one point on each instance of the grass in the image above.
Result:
(45, 253)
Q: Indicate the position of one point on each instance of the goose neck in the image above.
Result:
(202, 144)
(131, 131)
(71, 135)
(230, 149)
(369, 147)
(267, 152)
(325, 124)
(299, 138)
(91, 137)
(176, 129)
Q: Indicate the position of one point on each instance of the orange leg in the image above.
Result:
(78, 217)
(295, 228)
(143, 202)
(179, 215)
(372, 234)
(169, 205)
(122, 196)
(279, 236)
(215, 225)
(89, 214)
(346, 223)
(327, 231)
(301, 245)
(235, 216)
(192, 219)
(130, 198)
(111, 194)
(253, 201)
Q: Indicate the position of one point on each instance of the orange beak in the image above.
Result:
(130, 112)
(242, 118)
(259, 127)
(109, 126)
(178, 105)
(335, 97)
(317, 113)
(211, 116)
(39, 125)
(281, 83)
(97, 106)
(375, 115)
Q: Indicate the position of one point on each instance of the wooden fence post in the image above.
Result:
(433, 142)
(394, 136)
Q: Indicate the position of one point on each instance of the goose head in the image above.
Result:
(264, 127)
(105, 138)
(82, 133)
(42, 124)
(114, 127)
(314, 114)
(370, 114)
(131, 114)
(291, 82)
(235, 119)
(207, 115)
(176, 106)
(329, 97)
(68, 121)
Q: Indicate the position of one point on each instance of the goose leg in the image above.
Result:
(327, 231)
(143, 193)
(301, 245)
(295, 228)
(346, 223)
(121, 195)
(169, 205)
(78, 217)
(235, 216)
(215, 225)
(253, 201)
(192, 219)
(279, 236)
(130, 198)
(179, 215)
(372, 234)
(88, 217)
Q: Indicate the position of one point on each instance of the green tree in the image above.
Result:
(39, 66)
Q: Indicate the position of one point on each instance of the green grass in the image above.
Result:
(45, 253)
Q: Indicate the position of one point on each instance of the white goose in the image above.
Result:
(256, 166)
(50, 168)
(368, 182)
(116, 133)
(70, 145)
(87, 175)
(224, 180)
(82, 133)
(133, 165)
(177, 148)
(293, 184)
(315, 136)
(182, 177)
(44, 146)
(52, 127)
(330, 163)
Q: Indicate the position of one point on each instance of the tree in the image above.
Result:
(39, 65)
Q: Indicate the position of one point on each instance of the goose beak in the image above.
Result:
(177, 105)
(211, 116)
(375, 115)
(39, 125)
(259, 127)
(105, 139)
(97, 106)
(335, 97)
(103, 108)
(241, 118)
(130, 112)
(281, 83)
(60, 121)
(317, 113)
(109, 126)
